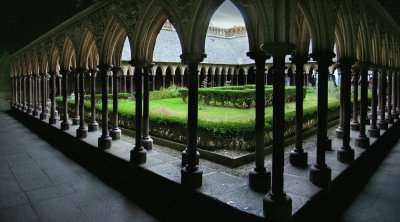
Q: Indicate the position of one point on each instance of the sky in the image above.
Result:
(226, 16)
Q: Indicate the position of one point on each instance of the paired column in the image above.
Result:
(298, 157)
(320, 173)
(398, 93)
(277, 205)
(382, 124)
(355, 125)
(24, 77)
(75, 119)
(65, 124)
(389, 118)
(52, 118)
(339, 130)
(29, 105)
(93, 125)
(138, 153)
(362, 140)
(395, 88)
(345, 154)
(81, 132)
(19, 79)
(115, 132)
(35, 111)
(43, 114)
(146, 139)
(259, 177)
(191, 175)
(123, 83)
(104, 141)
(374, 131)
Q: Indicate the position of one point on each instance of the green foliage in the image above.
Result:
(237, 96)
(170, 92)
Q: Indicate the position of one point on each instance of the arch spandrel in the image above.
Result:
(115, 33)
(68, 58)
(345, 30)
(86, 44)
(364, 40)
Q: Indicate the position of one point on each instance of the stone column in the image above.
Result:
(181, 76)
(339, 130)
(146, 139)
(138, 153)
(389, 118)
(362, 140)
(298, 157)
(191, 175)
(154, 82)
(219, 80)
(382, 124)
(395, 87)
(110, 78)
(374, 130)
(277, 202)
(212, 80)
(13, 91)
(131, 84)
(345, 154)
(398, 93)
(75, 119)
(39, 97)
(19, 91)
(115, 132)
(355, 125)
(29, 105)
(34, 94)
(81, 132)
(93, 126)
(59, 77)
(65, 124)
(47, 90)
(163, 81)
(52, 118)
(43, 115)
(259, 177)
(320, 173)
(104, 141)
(123, 83)
(24, 107)
(245, 79)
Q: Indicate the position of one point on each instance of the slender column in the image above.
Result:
(163, 81)
(19, 92)
(115, 132)
(277, 205)
(81, 132)
(138, 153)
(212, 80)
(13, 94)
(104, 141)
(389, 118)
(52, 118)
(131, 84)
(320, 173)
(245, 79)
(382, 124)
(398, 93)
(298, 157)
(191, 175)
(181, 76)
(93, 126)
(43, 115)
(146, 139)
(259, 177)
(38, 95)
(75, 119)
(218, 80)
(59, 77)
(24, 107)
(65, 124)
(362, 140)
(29, 105)
(124, 83)
(111, 83)
(345, 154)
(34, 95)
(355, 125)
(395, 115)
(339, 130)
(47, 90)
(374, 130)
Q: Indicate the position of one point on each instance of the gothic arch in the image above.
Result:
(114, 38)
(87, 43)
(68, 55)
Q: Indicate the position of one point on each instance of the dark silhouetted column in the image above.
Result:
(259, 177)
(43, 114)
(339, 130)
(52, 118)
(389, 118)
(146, 140)
(374, 131)
(395, 115)
(75, 119)
(115, 132)
(29, 103)
(104, 141)
(298, 157)
(65, 124)
(81, 132)
(362, 140)
(93, 126)
(382, 124)
(355, 125)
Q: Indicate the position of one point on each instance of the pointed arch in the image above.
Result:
(87, 43)
(113, 42)
(68, 56)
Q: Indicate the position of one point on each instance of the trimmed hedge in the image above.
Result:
(238, 96)
(110, 96)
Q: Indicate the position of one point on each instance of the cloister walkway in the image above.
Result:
(39, 183)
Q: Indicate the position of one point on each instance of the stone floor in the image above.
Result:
(38, 183)
(380, 198)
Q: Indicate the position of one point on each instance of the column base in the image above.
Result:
(81, 132)
(260, 180)
(298, 158)
(374, 132)
(138, 156)
(321, 176)
(339, 133)
(147, 143)
(362, 141)
(395, 115)
(29, 110)
(355, 126)
(43, 116)
(56, 113)
(65, 125)
(389, 119)
(191, 179)
(93, 127)
(24, 108)
(115, 133)
(367, 121)
(104, 142)
(383, 125)
(328, 144)
(75, 121)
(35, 112)
(277, 209)
(345, 155)
(52, 120)
(185, 157)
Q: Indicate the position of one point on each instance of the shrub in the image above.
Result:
(170, 92)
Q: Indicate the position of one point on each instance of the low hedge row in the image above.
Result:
(110, 96)
(238, 96)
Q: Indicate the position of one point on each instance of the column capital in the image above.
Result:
(64, 72)
(192, 58)
(116, 70)
(138, 63)
(278, 49)
(81, 70)
(105, 67)
(93, 72)
(323, 57)
(258, 55)
(299, 59)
